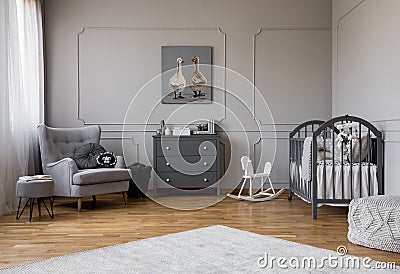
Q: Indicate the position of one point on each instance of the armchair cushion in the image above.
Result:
(100, 176)
(85, 155)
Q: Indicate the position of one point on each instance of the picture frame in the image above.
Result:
(169, 68)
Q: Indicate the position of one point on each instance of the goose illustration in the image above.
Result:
(197, 82)
(178, 82)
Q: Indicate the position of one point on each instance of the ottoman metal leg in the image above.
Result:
(51, 207)
(31, 202)
(19, 207)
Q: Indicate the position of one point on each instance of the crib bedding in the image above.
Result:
(334, 188)
(351, 186)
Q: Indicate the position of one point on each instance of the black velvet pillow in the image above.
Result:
(106, 159)
(85, 156)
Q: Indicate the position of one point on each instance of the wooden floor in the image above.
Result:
(111, 222)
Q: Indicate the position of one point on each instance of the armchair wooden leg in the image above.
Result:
(125, 196)
(79, 200)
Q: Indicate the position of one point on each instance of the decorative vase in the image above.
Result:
(168, 131)
(162, 127)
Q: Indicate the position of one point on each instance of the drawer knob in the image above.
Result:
(167, 148)
(168, 180)
(205, 148)
(168, 164)
(205, 180)
(205, 163)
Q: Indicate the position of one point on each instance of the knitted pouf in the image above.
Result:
(375, 222)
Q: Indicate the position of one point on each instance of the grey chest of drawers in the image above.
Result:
(187, 162)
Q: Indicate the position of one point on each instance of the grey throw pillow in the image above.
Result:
(356, 149)
(85, 156)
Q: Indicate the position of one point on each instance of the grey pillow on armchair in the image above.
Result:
(85, 156)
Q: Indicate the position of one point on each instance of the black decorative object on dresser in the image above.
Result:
(187, 162)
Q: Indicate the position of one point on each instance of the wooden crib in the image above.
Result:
(343, 160)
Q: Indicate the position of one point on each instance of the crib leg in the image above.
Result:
(314, 210)
(290, 194)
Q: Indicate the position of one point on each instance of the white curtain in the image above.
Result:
(21, 94)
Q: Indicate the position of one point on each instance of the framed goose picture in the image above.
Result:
(186, 74)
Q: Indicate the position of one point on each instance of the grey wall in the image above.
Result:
(366, 80)
(119, 51)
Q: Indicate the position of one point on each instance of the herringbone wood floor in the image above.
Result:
(111, 222)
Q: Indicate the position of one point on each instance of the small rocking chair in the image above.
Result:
(262, 194)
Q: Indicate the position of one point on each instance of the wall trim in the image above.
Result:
(348, 13)
(79, 116)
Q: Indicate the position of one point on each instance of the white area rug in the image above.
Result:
(215, 249)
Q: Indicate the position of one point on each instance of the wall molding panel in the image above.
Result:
(256, 37)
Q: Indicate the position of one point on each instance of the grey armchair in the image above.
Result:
(57, 147)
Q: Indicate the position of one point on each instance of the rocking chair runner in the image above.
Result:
(262, 194)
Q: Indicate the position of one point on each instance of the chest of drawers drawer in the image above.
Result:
(184, 181)
(187, 163)
(186, 147)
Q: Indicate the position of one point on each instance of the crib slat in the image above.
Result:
(369, 162)
(297, 164)
(290, 165)
(333, 162)
(379, 164)
(298, 161)
(351, 165)
(314, 178)
(324, 163)
(293, 155)
(341, 164)
(359, 155)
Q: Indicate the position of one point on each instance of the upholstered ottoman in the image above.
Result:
(375, 222)
(35, 189)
